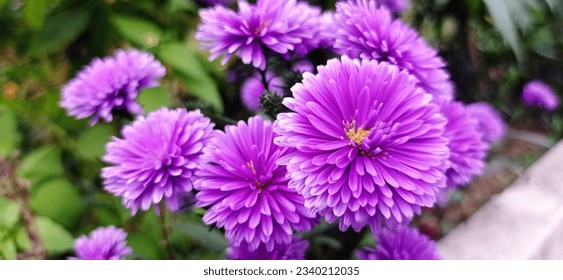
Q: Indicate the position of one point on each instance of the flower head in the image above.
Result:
(401, 243)
(489, 121)
(367, 141)
(394, 5)
(327, 33)
(467, 149)
(292, 251)
(102, 244)
(110, 84)
(156, 158)
(368, 32)
(252, 89)
(540, 94)
(246, 190)
(277, 26)
(214, 2)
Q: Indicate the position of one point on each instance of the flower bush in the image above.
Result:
(327, 130)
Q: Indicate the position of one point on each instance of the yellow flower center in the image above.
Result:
(356, 134)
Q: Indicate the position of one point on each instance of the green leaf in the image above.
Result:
(55, 237)
(4, 2)
(185, 63)
(58, 31)
(154, 98)
(213, 239)
(22, 240)
(9, 213)
(181, 5)
(137, 30)
(94, 139)
(41, 163)
(34, 13)
(58, 200)
(505, 24)
(10, 139)
(8, 249)
(144, 246)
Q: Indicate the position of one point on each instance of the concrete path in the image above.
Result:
(523, 222)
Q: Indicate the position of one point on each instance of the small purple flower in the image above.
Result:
(102, 244)
(394, 5)
(253, 88)
(110, 84)
(302, 66)
(292, 251)
(277, 26)
(489, 121)
(247, 191)
(540, 94)
(156, 158)
(368, 32)
(327, 33)
(367, 141)
(467, 149)
(401, 243)
(215, 2)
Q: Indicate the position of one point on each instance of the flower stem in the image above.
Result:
(165, 230)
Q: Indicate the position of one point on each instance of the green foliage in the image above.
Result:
(34, 13)
(154, 98)
(211, 239)
(56, 238)
(10, 136)
(59, 31)
(186, 66)
(41, 164)
(58, 200)
(9, 213)
(137, 30)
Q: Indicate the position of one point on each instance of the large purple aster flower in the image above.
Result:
(368, 143)
(253, 88)
(368, 32)
(156, 158)
(467, 149)
(489, 121)
(102, 244)
(247, 190)
(277, 26)
(401, 243)
(292, 251)
(110, 84)
(540, 94)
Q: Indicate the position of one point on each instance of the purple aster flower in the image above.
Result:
(489, 121)
(368, 143)
(368, 32)
(327, 34)
(252, 89)
(394, 5)
(401, 243)
(102, 244)
(215, 2)
(292, 251)
(156, 158)
(302, 66)
(540, 94)
(110, 84)
(467, 149)
(247, 191)
(277, 26)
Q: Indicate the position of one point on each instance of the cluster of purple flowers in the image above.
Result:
(369, 139)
